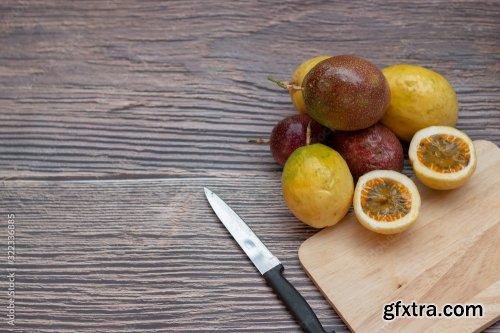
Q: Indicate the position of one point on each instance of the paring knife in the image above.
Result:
(267, 264)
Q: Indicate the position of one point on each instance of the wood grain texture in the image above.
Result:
(149, 256)
(450, 256)
(127, 89)
(115, 90)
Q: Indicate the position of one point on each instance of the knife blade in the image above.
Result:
(267, 264)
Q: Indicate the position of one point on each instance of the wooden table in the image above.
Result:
(114, 115)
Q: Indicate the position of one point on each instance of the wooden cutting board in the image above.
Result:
(451, 255)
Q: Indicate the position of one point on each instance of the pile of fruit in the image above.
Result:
(344, 146)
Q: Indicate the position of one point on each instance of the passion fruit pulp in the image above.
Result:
(442, 157)
(386, 201)
(443, 153)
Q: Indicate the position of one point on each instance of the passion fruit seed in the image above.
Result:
(444, 153)
(442, 157)
(385, 200)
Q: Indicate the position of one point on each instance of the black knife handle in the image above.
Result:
(294, 301)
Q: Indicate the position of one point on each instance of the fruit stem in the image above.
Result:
(259, 141)
(308, 133)
(284, 84)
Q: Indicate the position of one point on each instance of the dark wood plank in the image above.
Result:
(113, 90)
(132, 89)
(149, 256)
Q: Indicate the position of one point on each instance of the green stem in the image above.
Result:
(281, 84)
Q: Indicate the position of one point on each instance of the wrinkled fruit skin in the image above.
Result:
(291, 133)
(317, 185)
(373, 148)
(346, 93)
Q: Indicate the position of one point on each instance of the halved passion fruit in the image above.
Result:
(386, 201)
(442, 157)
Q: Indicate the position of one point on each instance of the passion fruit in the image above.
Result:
(442, 157)
(295, 84)
(345, 93)
(420, 98)
(372, 148)
(293, 132)
(386, 201)
(317, 185)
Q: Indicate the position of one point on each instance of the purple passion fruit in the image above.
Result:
(372, 148)
(346, 93)
(296, 81)
(294, 132)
